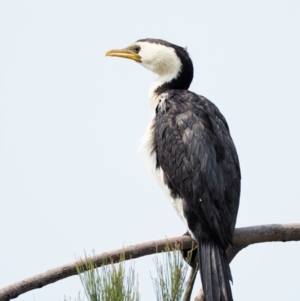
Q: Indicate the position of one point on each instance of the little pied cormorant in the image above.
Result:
(194, 158)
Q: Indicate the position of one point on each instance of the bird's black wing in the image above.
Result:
(200, 163)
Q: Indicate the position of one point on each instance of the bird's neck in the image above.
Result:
(159, 86)
(163, 83)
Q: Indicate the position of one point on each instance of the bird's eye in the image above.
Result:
(136, 49)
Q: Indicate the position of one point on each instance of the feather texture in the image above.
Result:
(193, 147)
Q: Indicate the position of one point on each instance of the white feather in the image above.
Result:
(163, 61)
(146, 146)
(160, 59)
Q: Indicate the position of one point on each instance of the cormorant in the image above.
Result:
(195, 160)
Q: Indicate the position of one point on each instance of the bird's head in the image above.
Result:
(167, 60)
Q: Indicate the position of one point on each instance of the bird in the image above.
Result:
(194, 158)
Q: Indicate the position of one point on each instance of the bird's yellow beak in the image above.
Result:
(125, 53)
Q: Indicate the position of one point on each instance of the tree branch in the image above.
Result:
(190, 284)
(242, 238)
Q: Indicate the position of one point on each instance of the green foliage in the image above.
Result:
(112, 282)
(78, 298)
(108, 283)
(171, 274)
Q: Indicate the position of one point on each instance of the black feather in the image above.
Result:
(201, 166)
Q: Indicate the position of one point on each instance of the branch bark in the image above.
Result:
(243, 237)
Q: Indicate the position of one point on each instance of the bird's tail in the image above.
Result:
(215, 272)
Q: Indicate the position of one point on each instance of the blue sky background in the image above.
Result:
(70, 120)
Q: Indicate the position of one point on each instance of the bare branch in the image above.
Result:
(242, 238)
(190, 284)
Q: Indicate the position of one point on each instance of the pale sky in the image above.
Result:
(71, 178)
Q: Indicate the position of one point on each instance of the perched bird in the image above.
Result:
(195, 160)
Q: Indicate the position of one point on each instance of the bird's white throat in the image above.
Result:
(161, 60)
(153, 97)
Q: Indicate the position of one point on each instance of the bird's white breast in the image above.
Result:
(146, 146)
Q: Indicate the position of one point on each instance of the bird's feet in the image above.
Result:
(190, 255)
